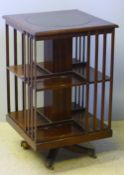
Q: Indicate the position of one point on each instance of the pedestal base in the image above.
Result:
(74, 148)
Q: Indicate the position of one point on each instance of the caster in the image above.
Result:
(51, 158)
(49, 165)
(92, 154)
(25, 145)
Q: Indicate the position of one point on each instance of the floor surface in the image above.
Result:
(14, 160)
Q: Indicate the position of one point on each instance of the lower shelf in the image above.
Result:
(58, 134)
(58, 131)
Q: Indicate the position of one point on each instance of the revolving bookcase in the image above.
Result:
(66, 60)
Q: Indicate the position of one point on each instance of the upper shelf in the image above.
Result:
(78, 68)
(19, 71)
(81, 70)
(57, 22)
(62, 80)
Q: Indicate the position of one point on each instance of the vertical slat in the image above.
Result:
(76, 48)
(82, 94)
(24, 83)
(23, 55)
(80, 43)
(76, 59)
(83, 60)
(15, 63)
(103, 80)
(79, 95)
(7, 71)
(96, 80)
(84, 47)
(111, 78)
(28, 83)
(87, 81)
(80, 60)
(31, 86)
(35, 92)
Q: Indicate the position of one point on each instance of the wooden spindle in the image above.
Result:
(103, 81)
(23, 55)
(87, 81)
(84, 48)
(111, 78)
(31, 88)
(96, 80)
(23, 83)
(35, 90)
(80, 60)
(80, 49)
(15, 63)
(28, 83)
(83, 60)
(7, 71)
(76, 59)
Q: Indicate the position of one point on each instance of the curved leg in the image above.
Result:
(51, 158)
(81, 149)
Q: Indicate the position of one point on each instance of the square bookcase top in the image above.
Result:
(57, 22)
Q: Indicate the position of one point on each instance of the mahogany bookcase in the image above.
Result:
(74, 78)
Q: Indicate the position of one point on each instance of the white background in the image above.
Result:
(111, 10)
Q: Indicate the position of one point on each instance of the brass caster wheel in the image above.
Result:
(25, 145)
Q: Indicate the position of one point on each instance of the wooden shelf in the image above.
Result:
(59, 81)
(78, 67)
(19, 71)
(57, 130)
(81, 70)
(63, 81)
(75, 135)
(47, 131)
(20, 116)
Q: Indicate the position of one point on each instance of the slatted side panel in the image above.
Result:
(30, 94)
(94, 119)
(11, 50)
(24, 101)
(95, 97)
(79, 56)
(13, 59)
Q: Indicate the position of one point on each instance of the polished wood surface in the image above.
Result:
(57, 22)
(81, 70)
(56, 143)
(58, 55)
(19, 71)
(74, 80)
(78, 68)
(62, 81)
(58, 59)
(57, 130)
